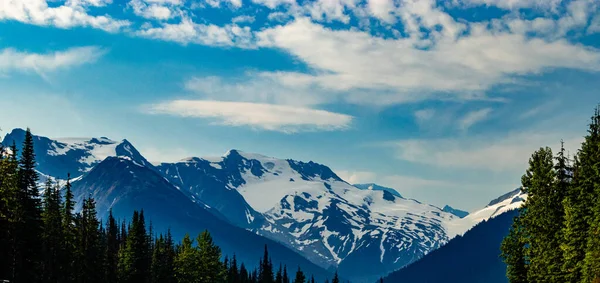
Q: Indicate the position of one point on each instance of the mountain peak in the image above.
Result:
(375, 187)
(505, 197)
(454, 211)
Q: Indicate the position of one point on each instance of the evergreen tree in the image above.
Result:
(590, 183)
(28, 218)
(89, 248)
(233, 274)
(9, 190)
(187, 261)
(52, 233)
(336, 278)
(211, 270)
(111, 252)
(266, 268)
(244, 275)
(67, 259)
(286, 279)
(279, 276)
(513, 252)
(134, 261)
(538, 183)
(300, 277)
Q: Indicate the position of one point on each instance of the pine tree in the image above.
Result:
(590, 183)
(28, 218)
(67, 259)
(336, 278)
(513, 252)
(211, 269)
(233, 274)
(187, 261)
(266, 268)
(244, 275)
(111, 252)
(52, 233)
(279, 276)
(300, 277)
(286, 279)
(134, 260)
(538, 183)
(312, 279)
(89, 248)
(9, 191)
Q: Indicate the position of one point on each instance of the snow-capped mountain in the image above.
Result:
(375, 187)
(306, 206)
(58, 157)
(456, 212)
(303, 205)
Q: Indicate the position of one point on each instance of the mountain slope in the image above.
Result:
(57, 158)
(471, 258)
(306, 206)
(375, 187)
(120, 184)
(456, 212)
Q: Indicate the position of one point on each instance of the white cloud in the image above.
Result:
(473, 118)
(495, 153)
(159, 10)
(594, 25)
(356, 177)
(217, 3)
(14, 60)
(424, 115)
(255, 88)
(514, 4)
(287, 119)
(186, 32)
(243, 19)
(387, 71)
(69, 15)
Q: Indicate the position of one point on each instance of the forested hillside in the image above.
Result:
(471, 258)
(42, 239)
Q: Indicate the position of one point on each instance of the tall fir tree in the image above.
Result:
(187, 261)
(89, 252)
(538, 183)
(286, 278)
(211, 268)
(300, 277)
(134, 260)
(67, 259)
(279, 276)
(266, 268)
(590, 183)
(28, 218)
(513, 251)
(111, 251)
(52, 235)
(336, 278)
(9, 191)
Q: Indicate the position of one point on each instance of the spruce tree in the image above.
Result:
(538, 183)
(134, 260)
(111, 252)
(67, 259)
(9, 206)
(279, 276)
(211, 269)
(336, 278)
(233, 274)
(89, 246)
(300, 277)
(513, 252)
(187, 261)
(286, 278)
(28, 217)
(590, 183)
(52, 233)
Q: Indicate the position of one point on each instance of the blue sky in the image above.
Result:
(443, 100)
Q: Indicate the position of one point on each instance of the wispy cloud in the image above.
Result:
(494, 153)
(357, 177)
(287, 119)
(473, 118)
(70, 14)
(14, 60)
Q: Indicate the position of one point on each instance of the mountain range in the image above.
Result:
(303, 211)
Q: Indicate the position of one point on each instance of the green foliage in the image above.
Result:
(300, 277)
(556, 238)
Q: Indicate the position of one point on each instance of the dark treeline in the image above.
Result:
(42, 239)
(556, 237)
